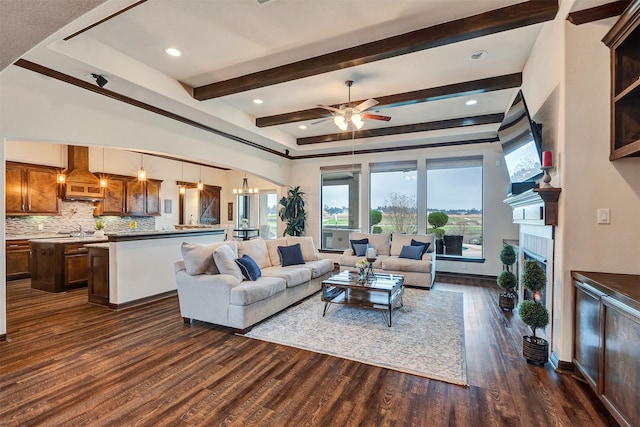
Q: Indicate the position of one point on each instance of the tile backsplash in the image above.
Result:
(75, 214)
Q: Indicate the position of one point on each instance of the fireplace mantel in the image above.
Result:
(538, 206)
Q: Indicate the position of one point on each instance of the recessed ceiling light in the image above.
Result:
(478, 54)
(172, 51)
(471, 102)
(258, 101)
(302, 127)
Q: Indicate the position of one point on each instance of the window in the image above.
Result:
(245, 210)
(340, 205)
(268, 214)
(392, 192)
(454, 186)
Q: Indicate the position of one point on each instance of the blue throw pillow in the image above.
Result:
(290, 255)
(411, 252)
(364, 241)
(426, 245)
(360, 249)
(249, 268)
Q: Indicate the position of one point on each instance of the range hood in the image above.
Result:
(80, 183)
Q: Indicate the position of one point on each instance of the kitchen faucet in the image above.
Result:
(82, 234)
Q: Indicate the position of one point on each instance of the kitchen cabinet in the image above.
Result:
(31, 190)
(18, 259)
(59, 264)
(127, 196)
(99, 274)
(606, 336)
(623, 40)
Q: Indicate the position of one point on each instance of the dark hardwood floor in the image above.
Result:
(67, 362)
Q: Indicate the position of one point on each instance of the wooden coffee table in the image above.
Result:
(383, 292)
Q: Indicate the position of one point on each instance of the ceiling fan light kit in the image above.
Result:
(347, 117)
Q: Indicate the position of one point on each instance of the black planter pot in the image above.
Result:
(453, 245)
(507, 301)
(535, 350)
(439, 246)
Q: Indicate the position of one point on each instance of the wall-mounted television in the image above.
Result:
(521, 142)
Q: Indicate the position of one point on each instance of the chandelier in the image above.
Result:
(245, 187)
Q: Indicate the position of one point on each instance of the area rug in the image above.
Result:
(426, 338)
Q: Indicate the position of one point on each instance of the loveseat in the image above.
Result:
(419, 272)
(212, 286)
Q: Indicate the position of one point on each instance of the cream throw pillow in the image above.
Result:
(400, 240)
(272, 249)
(256, 249)
(225, 260)
(198, 258)
(307, 247)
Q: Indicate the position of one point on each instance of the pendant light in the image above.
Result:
(61, 178)
(103, 178)
(245, 187)
(200, 184)
(181, 188)
(142, 174)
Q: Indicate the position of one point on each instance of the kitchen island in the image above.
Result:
(141, 263)
(60, 263)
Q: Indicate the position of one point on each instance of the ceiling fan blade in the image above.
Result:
(326, 107)
(376, 117)
(366, 105)
(321, 121)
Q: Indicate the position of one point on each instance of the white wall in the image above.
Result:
(497, 215)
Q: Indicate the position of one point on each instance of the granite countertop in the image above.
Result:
(160, 234)
(102, 245)
(31, 236)
(60, 239)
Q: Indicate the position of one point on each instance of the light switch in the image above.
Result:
(603, 216)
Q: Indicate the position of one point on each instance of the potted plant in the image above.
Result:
(375, 217)
(292, 212)
(437, 221)
(507, 280)
(99, 228)
(534, 314)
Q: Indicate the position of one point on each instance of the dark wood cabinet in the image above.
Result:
(31, 190)
(57, 266)
(18, 259)
(127, 196)
(623, 39)
(606, 337)
(99, 275)
(113, 203)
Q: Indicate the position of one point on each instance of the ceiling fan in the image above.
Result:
(347, 115)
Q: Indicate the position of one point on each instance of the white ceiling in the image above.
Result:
(222, 39)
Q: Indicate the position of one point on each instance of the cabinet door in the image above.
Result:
(114, 197)
(42, 191)
(18, 257)
(135, 197)
(14, 189)
(588, 330)
(76, 270)
(621, 364)
(153, 197)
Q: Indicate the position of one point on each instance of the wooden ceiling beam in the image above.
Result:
(490, 84)
(597, 13)
(397, 130)
(494, 21)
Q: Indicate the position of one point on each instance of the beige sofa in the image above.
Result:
(224, 299)
(420, 273)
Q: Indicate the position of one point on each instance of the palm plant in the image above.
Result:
(292, 212)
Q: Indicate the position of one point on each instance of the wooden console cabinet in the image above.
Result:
(623, 39)
(99, 274)
(606, 337)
